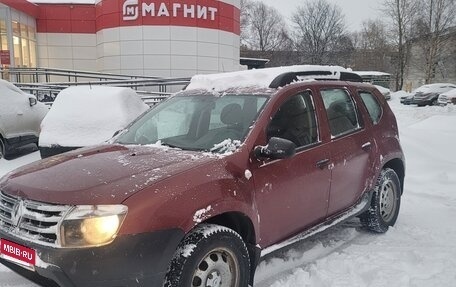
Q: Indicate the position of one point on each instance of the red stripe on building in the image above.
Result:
(67, 18)
(83, 18)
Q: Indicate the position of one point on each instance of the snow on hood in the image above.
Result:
(260, 78)
(99, 175)
(84, 115)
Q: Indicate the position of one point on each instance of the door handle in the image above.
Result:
(322, 163)
(366, 146)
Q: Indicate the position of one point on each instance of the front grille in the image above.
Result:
(443, 98)
(31, 220)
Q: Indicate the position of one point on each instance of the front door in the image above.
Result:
(292, 193)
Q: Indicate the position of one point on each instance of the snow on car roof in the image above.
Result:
(260, 78)
(84, 115)
(371, 73)
(434, 87)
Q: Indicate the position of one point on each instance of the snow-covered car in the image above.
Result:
(407, 100)
(87, 115)
(429, 94)
(195, 190)
(447, 98)
(20, 118)
(385, 92)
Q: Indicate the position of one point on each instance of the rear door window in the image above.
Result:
(340, 110)
(372, 106)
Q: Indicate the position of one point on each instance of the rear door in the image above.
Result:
(351, 149)
(292, 193)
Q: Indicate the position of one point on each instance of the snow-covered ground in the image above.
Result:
(419, 251)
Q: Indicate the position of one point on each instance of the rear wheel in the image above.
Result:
(385, 203)
(210, 256)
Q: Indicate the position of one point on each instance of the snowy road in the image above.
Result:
(419, 251)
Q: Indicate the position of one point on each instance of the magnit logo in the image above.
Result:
(132, 10)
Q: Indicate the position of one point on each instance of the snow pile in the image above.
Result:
(83, 115)
(261, 78)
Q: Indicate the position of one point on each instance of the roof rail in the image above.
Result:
(290, 77)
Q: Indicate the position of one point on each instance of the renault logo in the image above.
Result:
(16, 213)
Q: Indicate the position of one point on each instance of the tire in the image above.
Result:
(4, 149)
(210, 255)
(385, 203)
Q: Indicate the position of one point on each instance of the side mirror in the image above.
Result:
(277, 148)
(32, 101)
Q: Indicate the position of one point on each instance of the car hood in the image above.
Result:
(99, 175)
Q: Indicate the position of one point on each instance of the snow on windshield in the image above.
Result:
(83, 115)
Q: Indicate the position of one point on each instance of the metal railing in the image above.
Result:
(46, 83)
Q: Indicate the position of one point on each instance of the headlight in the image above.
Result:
(92, 225)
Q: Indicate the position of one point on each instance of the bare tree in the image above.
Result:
(402, 14)
(263, 27)
(373, 46)
(318, 27)
(245, 20)
(436, 17)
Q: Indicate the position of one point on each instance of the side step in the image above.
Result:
(357, 209)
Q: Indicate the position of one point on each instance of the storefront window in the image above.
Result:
(24, 45)
(3, 36)
(17, 51)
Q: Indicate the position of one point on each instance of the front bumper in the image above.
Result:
(131, 260)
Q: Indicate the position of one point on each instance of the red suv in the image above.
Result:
(194, 191)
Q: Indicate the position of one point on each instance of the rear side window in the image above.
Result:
(340, 110)
(372, 105)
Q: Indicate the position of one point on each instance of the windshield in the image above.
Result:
(197, 122)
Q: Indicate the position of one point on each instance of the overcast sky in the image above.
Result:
(356, 11)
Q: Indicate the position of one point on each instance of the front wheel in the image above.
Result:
(385, 203)
(210, 256)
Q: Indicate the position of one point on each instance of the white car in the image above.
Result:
(20, 118)
(447, 98)
(385, 92)
(87, 115)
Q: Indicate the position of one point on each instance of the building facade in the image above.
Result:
(139, 37)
